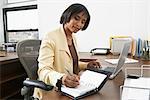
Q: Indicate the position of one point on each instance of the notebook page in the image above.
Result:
(89, 80)
(90, 77)
(77, 91)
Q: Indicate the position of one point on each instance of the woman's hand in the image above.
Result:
(71, 80)
(92, 64)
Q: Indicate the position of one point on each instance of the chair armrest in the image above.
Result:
(38, 84)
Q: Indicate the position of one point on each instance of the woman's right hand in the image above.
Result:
(70, 80)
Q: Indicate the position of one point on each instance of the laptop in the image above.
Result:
(116, 69)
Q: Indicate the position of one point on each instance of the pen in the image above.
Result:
(72, 74)
(68, 72)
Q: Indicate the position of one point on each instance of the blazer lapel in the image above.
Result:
(63, 41)
(75, 44)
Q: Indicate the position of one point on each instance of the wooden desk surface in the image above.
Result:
(9, 57)
(110, 91)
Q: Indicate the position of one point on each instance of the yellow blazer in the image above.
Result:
(55, 58)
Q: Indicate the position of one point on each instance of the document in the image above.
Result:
(135, 94)
(115, 61)
(90, 81)
(142, 82)
(136, 89)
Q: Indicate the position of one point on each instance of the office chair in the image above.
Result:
(28, 51)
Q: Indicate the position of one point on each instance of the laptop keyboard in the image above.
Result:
(109, 69)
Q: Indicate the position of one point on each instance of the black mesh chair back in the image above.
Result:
(28, 51)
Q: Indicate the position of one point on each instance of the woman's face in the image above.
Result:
(76, 22)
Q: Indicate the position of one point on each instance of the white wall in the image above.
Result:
(108, 18)
(148, 20)
(2, 2)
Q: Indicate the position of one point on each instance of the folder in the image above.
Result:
(139, 48)
(91, 82)
(116, 43)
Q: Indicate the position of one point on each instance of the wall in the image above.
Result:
(126, 17)
(108, 18)
(117, 17)
(148, 18)
(2, 2)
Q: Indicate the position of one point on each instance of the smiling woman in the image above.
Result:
(58, 57)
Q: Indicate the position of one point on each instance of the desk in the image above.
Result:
(110, 91)
(12, 75)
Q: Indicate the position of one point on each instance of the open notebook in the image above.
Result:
(90, 83)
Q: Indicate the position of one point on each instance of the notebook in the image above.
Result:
(123, 55)
(90, 82)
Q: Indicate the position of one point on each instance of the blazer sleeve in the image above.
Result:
(82, 65)
(46, 70)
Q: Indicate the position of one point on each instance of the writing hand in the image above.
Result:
(71, 80)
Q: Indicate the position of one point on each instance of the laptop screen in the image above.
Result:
(122, 57)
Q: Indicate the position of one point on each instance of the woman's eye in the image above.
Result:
(76, 18)
(83, 22)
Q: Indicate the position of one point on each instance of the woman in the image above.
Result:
(58, 57)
